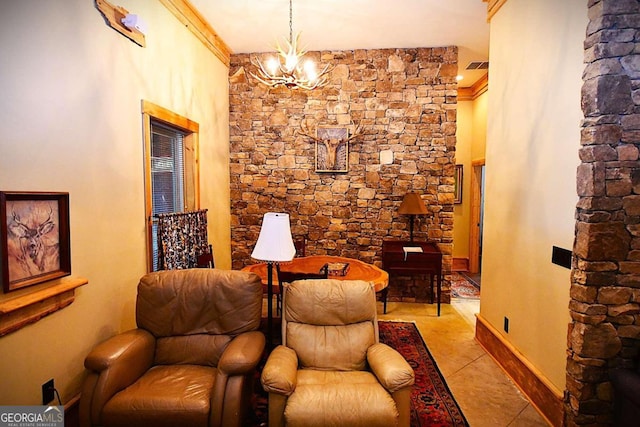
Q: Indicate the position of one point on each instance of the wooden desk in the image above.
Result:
(358, 270)
(396, 262)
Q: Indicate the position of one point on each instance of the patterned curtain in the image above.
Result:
(182, 237)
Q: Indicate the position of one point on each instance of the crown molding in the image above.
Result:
(473, 92)
(186, 13)
(492, 7)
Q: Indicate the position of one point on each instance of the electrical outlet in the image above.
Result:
(506, 324)
(47, 391)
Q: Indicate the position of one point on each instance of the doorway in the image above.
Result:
(477, 213)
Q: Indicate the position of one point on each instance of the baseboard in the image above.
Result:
(544, 396)
(460, 264)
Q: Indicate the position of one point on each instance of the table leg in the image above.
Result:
(385, 291)
(432, 296)
(439, 279)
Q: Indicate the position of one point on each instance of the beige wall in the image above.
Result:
(479, 146)
(70, 112)
(533, 136)
(471, 137)
(461, 211)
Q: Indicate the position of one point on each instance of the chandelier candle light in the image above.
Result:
(289, 68)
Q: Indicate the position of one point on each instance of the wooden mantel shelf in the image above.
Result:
(30, 307)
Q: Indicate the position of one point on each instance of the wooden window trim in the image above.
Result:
(191, 129)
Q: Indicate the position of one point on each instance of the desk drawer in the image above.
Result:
(413, 259)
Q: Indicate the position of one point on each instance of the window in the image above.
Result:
(171, 169)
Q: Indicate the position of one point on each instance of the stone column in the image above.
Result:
(605, 282)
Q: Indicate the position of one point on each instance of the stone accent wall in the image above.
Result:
(605, 289)
(406, 100)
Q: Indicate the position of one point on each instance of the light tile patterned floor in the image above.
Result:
(487, 397)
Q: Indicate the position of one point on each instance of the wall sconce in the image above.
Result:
(412, 205)
(127, 24)
(134, 22)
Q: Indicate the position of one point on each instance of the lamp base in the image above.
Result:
(411, 218)
(269, 305)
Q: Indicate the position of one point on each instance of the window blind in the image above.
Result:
(167, 175)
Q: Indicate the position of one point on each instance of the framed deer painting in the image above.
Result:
(34, 234)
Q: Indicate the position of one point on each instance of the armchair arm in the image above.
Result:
(242, 354)
(114, 364)
(280, 373)
(391, 369)
(128, 355)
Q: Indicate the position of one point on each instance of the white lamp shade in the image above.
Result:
(274, 242)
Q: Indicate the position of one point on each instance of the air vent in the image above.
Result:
(478, 65)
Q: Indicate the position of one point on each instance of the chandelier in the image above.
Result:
(289, 68)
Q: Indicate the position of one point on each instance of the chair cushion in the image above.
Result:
(340, 398)
(330, 302)
(199, 301)
(164, 396)
(330, 323)
(340, 348)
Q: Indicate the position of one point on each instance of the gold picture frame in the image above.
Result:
(457, 192)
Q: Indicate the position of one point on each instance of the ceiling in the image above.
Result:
(248, 26)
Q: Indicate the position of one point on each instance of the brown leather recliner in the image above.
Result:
(331, 368)
(192, 359)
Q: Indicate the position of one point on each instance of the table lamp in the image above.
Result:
(412, 205)
(274, 245)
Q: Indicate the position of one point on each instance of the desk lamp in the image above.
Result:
(412, 205)
(274, 245)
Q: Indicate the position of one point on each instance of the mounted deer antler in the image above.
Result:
(304, 131)
(356, 132)
(331, 144)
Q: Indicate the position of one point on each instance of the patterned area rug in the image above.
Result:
(432, 403)
(463, 287)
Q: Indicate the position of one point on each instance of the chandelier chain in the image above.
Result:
(290, 21)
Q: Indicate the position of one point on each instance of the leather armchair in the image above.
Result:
(331, 368)
(190, 362)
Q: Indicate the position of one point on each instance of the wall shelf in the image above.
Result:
(28, 308)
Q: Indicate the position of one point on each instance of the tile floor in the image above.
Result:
(485, 394)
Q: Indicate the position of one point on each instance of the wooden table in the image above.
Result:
(358, 270)
(400, 263)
